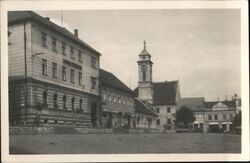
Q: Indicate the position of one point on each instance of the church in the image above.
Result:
(162, 97)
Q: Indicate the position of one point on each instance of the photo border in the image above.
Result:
(122, 5)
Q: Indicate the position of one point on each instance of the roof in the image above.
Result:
(142, 108)
(164, 93)
(15, 17)
(109, 79)
(194, 103)
(210, 104)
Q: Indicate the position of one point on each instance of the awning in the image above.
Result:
(111, 111)
(213, 123)
(226, 122)
(196, 122)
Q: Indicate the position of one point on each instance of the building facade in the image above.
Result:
(162, 96)
(197, 105)
(212, 116)
(53, 74)
(145, 115)
(219, 116)
(117, 102)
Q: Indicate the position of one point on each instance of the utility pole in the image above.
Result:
(129, 83)
(25, 74)
(61, 18)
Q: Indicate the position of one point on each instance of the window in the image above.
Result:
(169, 110)
(63, 48)
(158, 122)
(119, 100)
(216, 117)
(230, 116)
(80, 104)
(114, 99)
(44, 66)
(169, 121)
(104, 94)
(64, 102)
(110, 97)
(79, 56)
(64, 73)
(44, 39)
(45, 97)
(54, 70)
(224, 116)
(73, 103)
(143, 75)
(80, 78)
(72, 53)
(93, 63)
(72, 75)
(55, 100)
(54, 44)
(157, 110)
(209, 117)
(93, 82)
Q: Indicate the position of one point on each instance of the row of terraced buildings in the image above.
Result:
(55, 79)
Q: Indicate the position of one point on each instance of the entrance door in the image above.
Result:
(201, 127)
(214, 128)
(110, 120)
(94, 114)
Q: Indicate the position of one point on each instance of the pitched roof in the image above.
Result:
(142, 108)
(194, 103)
(109, 79)
(15, 17)
(164, 93)
(210, 104)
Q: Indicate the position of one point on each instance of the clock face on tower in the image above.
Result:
(144, 67)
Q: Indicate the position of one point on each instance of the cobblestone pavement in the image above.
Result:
(125, 143)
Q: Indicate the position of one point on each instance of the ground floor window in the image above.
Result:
(158, 122)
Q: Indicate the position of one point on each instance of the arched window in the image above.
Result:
(73, 103)
(45, 94)
(80, 104)
(64, 102)
(55, 100)
(143, 75)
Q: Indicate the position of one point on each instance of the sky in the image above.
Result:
(198, 47)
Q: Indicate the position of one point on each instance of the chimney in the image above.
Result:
(47, 18)
(76, 32)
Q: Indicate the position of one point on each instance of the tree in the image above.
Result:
(184, 116)
(237, 120)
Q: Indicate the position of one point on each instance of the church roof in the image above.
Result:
(194, 103)
(15, 17)
(142, 108)
(109, 79)
(164, 93)
(144, 51)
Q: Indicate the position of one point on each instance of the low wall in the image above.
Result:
(30, 130)
(93, 130)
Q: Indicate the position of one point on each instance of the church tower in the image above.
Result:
(145, 86)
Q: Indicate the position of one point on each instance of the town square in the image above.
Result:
(148, 81)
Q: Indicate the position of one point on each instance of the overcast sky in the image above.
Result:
(200, 47)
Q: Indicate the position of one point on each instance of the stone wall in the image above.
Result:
(30, 130)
